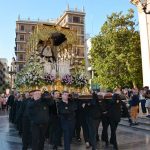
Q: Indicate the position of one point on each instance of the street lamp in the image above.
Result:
(143, 4)
(12, 72)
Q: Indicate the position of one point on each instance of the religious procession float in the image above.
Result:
(49, 59)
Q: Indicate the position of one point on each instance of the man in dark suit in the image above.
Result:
(39, 116)
(55, 126)
(10, 103)
(26, 124)
(66, 109)
(111, 116)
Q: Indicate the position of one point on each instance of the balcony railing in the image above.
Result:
(20, 40)
(20, 60)
(21, 31)
(35, 21)
(19, 50)
(76, 10)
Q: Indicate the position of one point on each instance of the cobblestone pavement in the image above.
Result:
(127, 138)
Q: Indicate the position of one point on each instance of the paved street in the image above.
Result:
(127, 138)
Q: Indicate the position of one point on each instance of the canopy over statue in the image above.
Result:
(53, 45)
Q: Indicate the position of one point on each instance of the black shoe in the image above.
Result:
(97, 138)
(106, 143)
(55, 147)
(94, 149)
(136, 123)
(60, 145)
(115, 147)
(132, 124)
(130, 120)
(111, 142)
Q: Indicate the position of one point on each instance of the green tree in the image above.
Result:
(116, 52)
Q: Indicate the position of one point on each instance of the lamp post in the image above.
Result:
(12, 72)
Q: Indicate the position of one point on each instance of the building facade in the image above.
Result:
(4, 77)
(1, 74)
(74, 19)
(23, 30)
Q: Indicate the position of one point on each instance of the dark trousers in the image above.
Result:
(84, 124)
(93, 124)
(113, 127)
(19, 126)
(143, 101)
(26, 133)
(81, 121)
(56, 132)
(105, 124)
(78, 126)
(106, 121)
(38, 136)
(11, 118)
(68, 129)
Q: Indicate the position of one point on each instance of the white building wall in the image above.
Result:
(144, 24)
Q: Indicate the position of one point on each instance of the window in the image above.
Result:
(77, 51)
(82, 30)
(82, 20)
(22, 47)
(79, 30)
(21, 57)
(78, 40)
(22, 37)
(22, 28)
(69, 19)
(76, 19)
(81, 52)
(33, 27)
(82, 40)
(20, 66)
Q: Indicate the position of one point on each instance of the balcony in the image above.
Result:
(20, 61)
(20, 31)
(76, 20)
(75, 23)
(20, 40)
(17, 50)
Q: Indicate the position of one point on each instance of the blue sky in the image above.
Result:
(96, 13)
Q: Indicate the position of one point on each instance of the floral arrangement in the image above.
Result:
(32, 78)
(80, 80)
(49, 78)
(31, 75)
(67, 79)
(19, 81)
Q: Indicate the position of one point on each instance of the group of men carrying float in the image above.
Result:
(53, 115)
